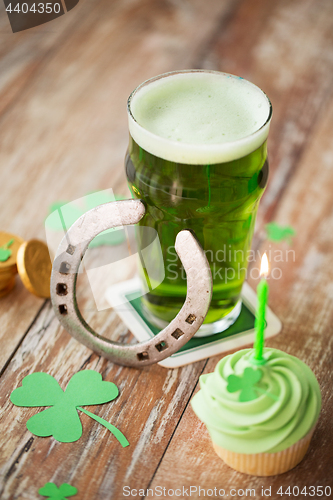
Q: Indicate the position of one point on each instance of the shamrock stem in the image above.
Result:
(8, 244)
(116, 432)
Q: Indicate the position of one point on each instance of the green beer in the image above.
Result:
(198, 159)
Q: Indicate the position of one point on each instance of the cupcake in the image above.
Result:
(260, 417)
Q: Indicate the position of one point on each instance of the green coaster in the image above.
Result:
(243, 323)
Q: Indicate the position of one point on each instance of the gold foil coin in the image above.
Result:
(6, 276)
(34, 267)
(9, 286)
(9, 245)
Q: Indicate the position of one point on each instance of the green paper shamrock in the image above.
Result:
(62, 420)
(63, 214)
(279, 233)
(51, 491)
(5, 252)
(245, 383)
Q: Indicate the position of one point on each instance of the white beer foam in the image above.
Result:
(199, 117)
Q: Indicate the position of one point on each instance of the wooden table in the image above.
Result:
(63, 130)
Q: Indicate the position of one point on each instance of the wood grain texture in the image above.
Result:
(150, 402)
(66, 134)
(63, 133)
(22, 54)
(302, 297)
(73, 118)
(286, 49)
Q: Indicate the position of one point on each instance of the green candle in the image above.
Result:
(260, 322)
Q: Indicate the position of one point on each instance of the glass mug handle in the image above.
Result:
(64, 276)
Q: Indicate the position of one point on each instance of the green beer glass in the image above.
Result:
(197, 157)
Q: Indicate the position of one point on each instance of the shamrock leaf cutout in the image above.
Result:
(63, 214)
(5, 251)
(245, 384)
(279, 233)
(62, 420)
(51, 491)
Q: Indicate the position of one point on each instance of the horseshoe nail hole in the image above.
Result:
(143, 356)
(191, 319)
(177, 333)
(64, 268)
(61, 289)
(63, 309)
(70, 249)
(161, 346)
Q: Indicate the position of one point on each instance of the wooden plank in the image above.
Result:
(22, 56)
(302, 298)
(151, 401)
(78, 148)
(70, 123)
(75, 141)
(15, 319)
(290, 69)
(24, 53)
(285, 48)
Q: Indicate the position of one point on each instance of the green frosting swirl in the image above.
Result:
(286, 409)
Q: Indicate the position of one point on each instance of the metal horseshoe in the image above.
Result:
(64, 276)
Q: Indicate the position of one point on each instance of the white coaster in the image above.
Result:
(125, 299)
